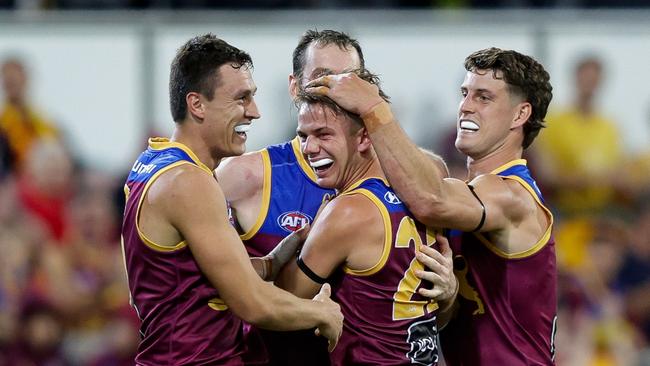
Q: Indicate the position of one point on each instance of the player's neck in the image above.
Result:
(367, 169)
(195, 143)
(491, 161)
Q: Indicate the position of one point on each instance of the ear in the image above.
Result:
(293, 86)
(522, 114)
(364, 140)
(195, 106)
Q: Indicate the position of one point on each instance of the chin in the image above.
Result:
(239, 150)
(325, 183)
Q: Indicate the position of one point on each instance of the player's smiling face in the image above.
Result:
(229, 114)
(485, 114)
(329, 145)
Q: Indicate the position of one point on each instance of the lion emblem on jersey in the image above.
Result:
(422, 339)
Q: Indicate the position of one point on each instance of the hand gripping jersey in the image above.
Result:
(183, 320)
(386, 321)
(508, 302)
(290, 199)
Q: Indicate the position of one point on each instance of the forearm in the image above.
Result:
(413, 174)
(282, 311)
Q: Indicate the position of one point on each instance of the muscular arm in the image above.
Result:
(194, 205)
(336, 239)
(434, 200)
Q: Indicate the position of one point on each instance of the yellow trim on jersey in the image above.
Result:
(359, 182)
(266, 197)
(145, 240)
(127, 191)
(540, 243)
(217, 304)
(300, 158)
(387, 236)
(508, 165)
(161, 143)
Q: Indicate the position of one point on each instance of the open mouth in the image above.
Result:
(321, 165)
(242, 129)
(469, 126)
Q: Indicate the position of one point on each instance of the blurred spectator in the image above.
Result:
(580, 154)
(39, 336)
(44, 185)
(592, 327)
(633, 280)
(20, 123)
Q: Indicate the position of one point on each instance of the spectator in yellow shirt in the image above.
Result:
(580, 154)
(19, 122)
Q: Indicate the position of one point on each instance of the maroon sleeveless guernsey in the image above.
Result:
(183, 320)
(386, 321)
(508, 302)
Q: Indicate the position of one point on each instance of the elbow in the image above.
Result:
(428, 210)
(256, 311)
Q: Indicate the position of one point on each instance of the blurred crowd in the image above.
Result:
(63, 295)
(63, 299)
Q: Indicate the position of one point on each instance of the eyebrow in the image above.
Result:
(246, 92)
(316, 131)
(321, 71)
(479, 91)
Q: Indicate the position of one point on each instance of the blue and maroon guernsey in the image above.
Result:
(508, 302)
(290, 199)
(386, 321)
(183, 320)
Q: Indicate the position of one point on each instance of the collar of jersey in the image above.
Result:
(509, 165)
(162, 143)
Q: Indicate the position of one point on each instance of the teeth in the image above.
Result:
(320, 163)
(468, 125)
(242, 128)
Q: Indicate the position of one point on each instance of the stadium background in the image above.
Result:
(99, 72)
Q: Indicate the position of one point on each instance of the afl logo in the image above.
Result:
(391, 197)
(293, 220)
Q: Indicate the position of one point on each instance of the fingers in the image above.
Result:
(433, 293)
(318, 90)
(326, 290)
(303, 232)
(321, 81)
(433, 261)
(331, 344)
(443, 242)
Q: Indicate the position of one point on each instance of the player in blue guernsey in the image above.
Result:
(189, 276)
(364, 242)
(502, 243)
(273, 192)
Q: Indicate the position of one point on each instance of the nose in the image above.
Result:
(251, 111)
(309, 146)
(465, 105)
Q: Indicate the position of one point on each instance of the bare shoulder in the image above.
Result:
(185, 185)
(348, 213)
(514, 200)
(241, 176)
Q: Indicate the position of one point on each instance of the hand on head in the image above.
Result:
(348, 90)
